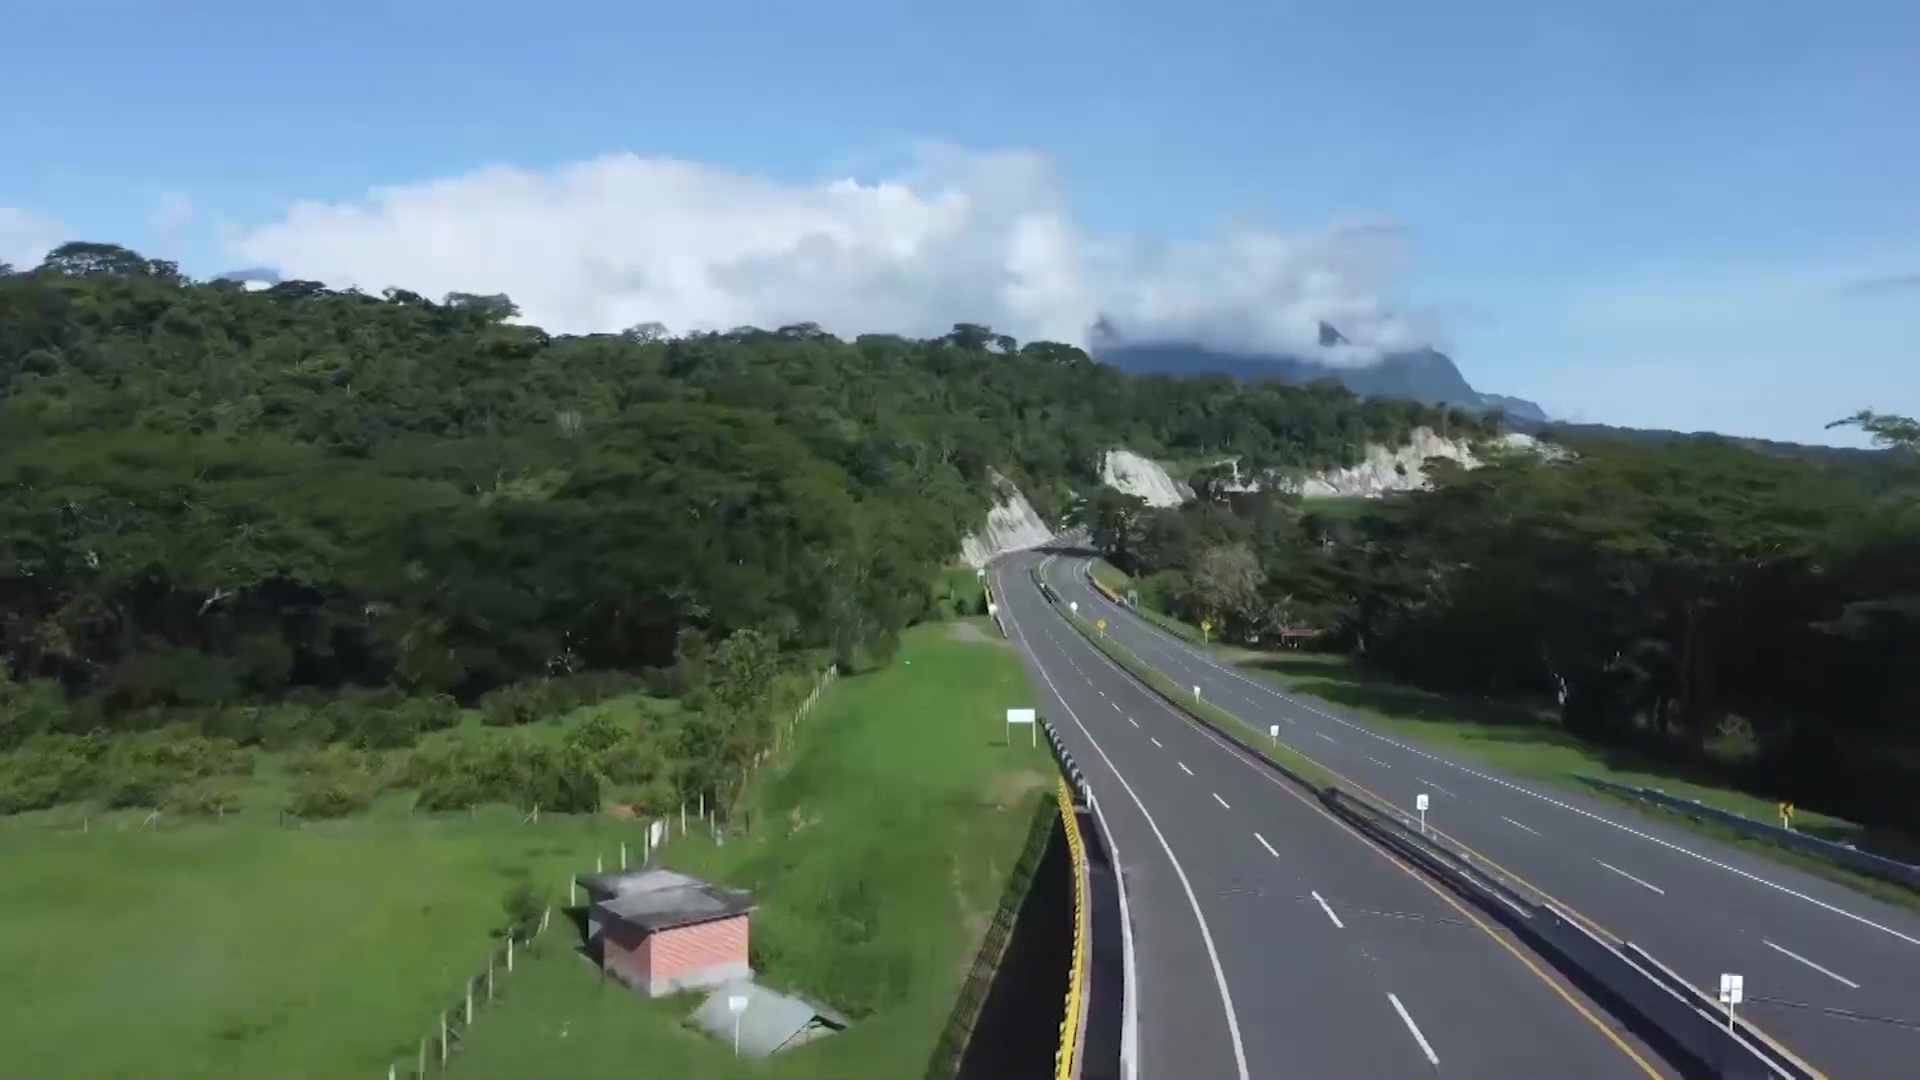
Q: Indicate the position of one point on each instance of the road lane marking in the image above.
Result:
(1336, 920)
(1264, 844)
(1327, 737)
(1425, 1047)
(1834, 975)
(1435, 786)
(1218, 799)
(1517, 825)
(1132, 721)
(1548, 799)
(1186, 885)
(1559, 991)
(1183, 767)
(1156, 742)
(1378, 762)
(1631, 878)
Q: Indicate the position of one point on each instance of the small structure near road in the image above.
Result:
(662, 932)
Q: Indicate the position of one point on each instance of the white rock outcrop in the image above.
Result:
(1143, 477)
(1402, 468)
(1012, 525)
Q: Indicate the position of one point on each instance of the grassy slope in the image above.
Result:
(1530, 743)
(877, 856)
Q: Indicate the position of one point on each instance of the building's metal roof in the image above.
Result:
(771, 1022)
(662, 899)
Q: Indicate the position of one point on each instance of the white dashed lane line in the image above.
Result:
(1318, 899)
(1378, 762)
(1264, 844)
(1435, 786)
(1221, 801)
(1517, 825)
(1425, 1047)
(1834, 975)
(1327, 737)
(1631, 878)
(1183, 767)
(1156, 742)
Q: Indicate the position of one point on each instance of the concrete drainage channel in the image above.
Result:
(1689, 1028)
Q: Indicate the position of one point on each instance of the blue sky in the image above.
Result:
(1698, 215)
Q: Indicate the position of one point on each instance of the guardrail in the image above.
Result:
(1094, 1032)
(1852, 858)
(1668, 1012)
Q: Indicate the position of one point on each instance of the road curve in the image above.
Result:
(1271, 939)
(1832, 974)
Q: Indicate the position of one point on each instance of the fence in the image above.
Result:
(449, 1029)
(1852, 858)
(1072, 1022)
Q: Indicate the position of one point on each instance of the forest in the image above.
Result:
(1689, 600)
(328, 524)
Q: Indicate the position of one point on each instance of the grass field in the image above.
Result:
(246, 949)
(877, 856)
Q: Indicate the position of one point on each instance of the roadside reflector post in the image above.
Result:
(1273, 732)
(1420, 804)
(1196, 693)
(1733, 990)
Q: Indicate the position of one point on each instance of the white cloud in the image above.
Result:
(26, 236)
(617, 240)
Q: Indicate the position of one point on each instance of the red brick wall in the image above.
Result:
(685, 949)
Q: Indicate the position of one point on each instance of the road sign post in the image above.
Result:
(1733, 990)
(1420, 804)
(1273, 732)
(1786, 815)
(1022, 716)
(1196, 694)
(736, 1004)
(1206, 629)
(1102, 624)
(1073, 607)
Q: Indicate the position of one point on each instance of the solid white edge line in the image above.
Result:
(1630, 877)
(1324, 906)
(1186, 886)
(1218, 799)
(1548, 799)
(1183, 767)
(1425, 1047)
(1517, 825)
(1264, 844)
(1829, 973)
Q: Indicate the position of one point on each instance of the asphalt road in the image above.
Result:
(1832, 974)
(1273, 940)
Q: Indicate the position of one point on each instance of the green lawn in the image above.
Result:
(877, 857)
(245, 949)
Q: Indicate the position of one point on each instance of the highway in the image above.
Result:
(1271, 939)
(1832, 974)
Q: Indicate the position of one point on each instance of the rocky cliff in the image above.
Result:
(1143, 477)
(1012, 525)
(1383, 469)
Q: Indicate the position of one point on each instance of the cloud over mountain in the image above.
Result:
(621, 239)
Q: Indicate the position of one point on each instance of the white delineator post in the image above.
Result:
(1196, 694)
(1273, 732)
(1420, 804)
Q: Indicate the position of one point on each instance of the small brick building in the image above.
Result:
(661, 932)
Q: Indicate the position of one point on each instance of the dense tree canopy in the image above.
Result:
(1693, 599)
(212, 495)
